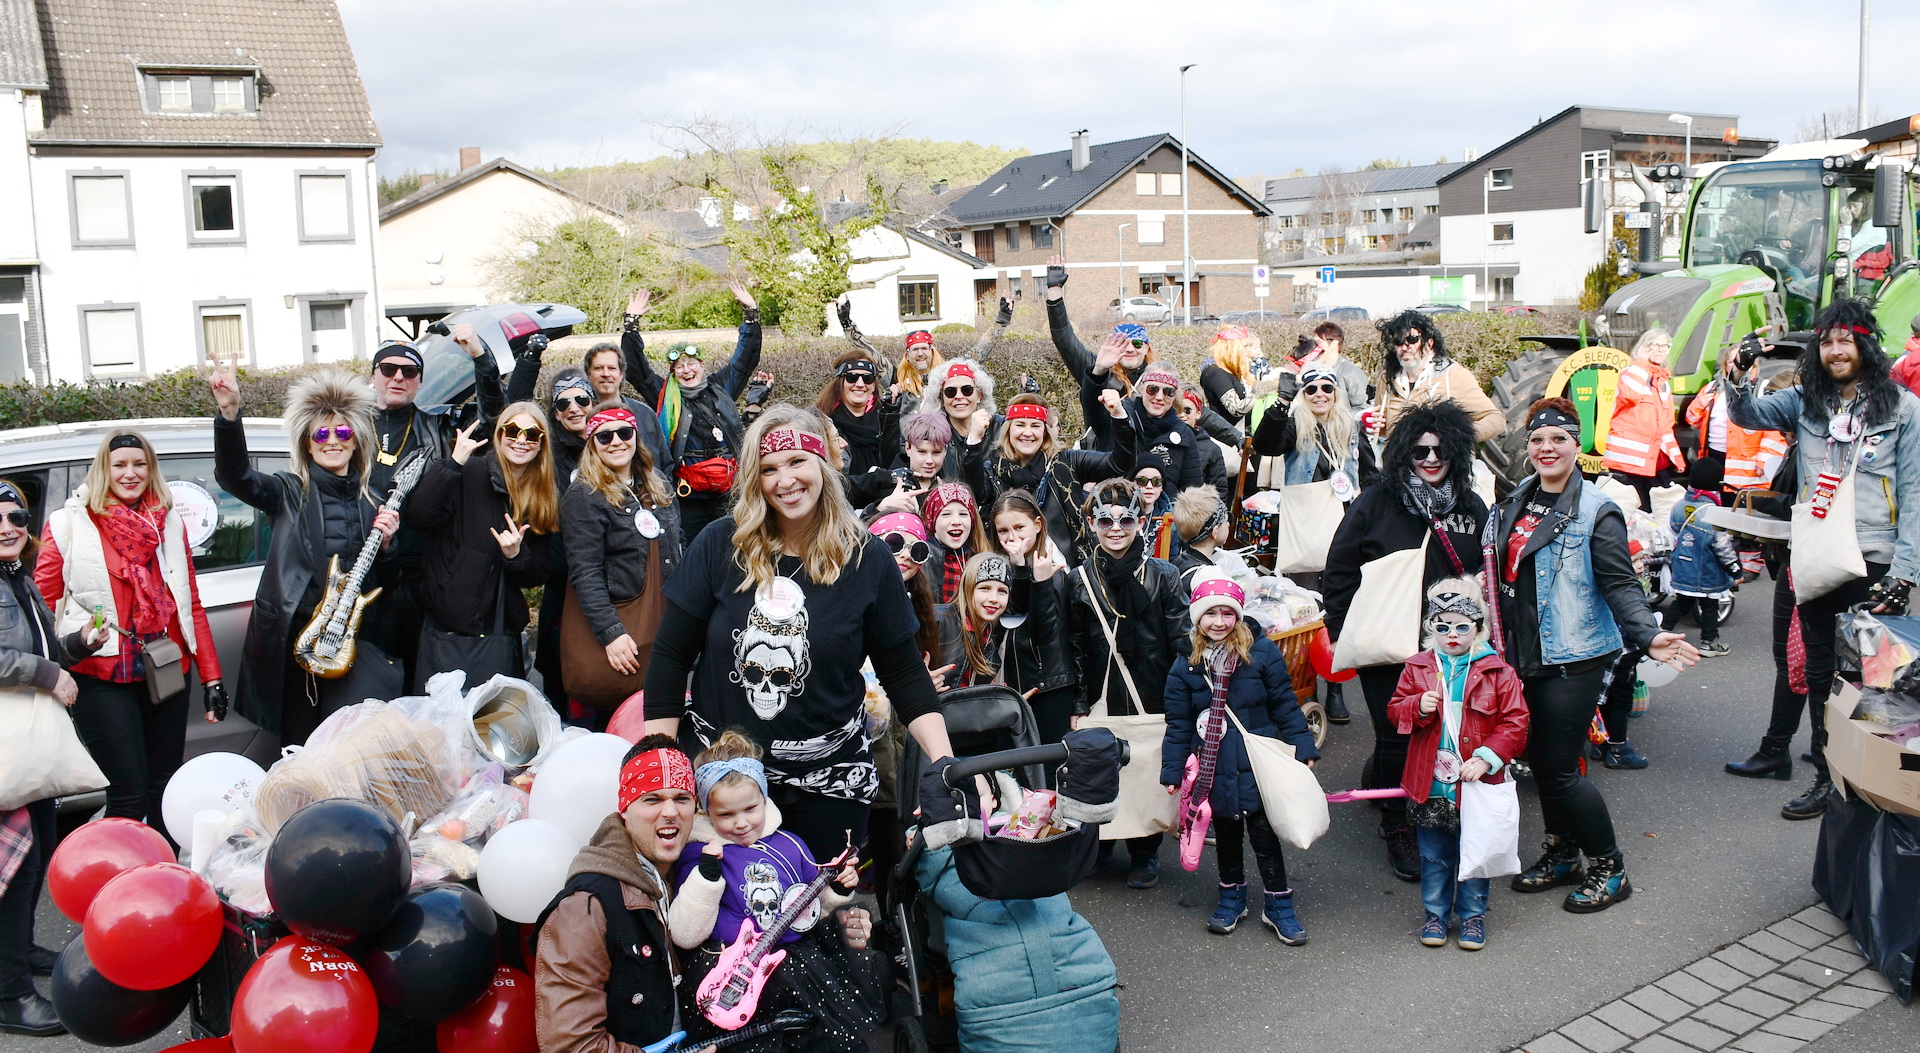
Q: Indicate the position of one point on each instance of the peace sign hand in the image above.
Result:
(509, 539)
(464, 444)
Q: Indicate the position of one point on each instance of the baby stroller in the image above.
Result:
(990, 956)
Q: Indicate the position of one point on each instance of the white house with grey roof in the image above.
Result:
(198, 182)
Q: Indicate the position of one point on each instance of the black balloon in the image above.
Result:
(101, 1012)
(436, 956)
(338, 870)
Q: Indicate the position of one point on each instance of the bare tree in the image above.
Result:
(1836, 121)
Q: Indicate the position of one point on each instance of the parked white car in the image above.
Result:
(1141, 309)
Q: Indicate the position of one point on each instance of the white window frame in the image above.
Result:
(1146, 184)
(237, 82)
(1494, 182)
(196, 236)
(139, 367)
(1493, 232)
(1594, 162)
(73, 207)
(300, 203)
(183, 89)
(203, 308)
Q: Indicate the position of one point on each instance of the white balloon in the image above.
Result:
(220, 782)
(579, 785)
(1657, 674)
(524, 866)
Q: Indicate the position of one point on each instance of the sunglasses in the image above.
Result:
(679, 353)
(858, 378)
(609, 436)
(18, 517)
(1138, 343)
(1149, 480)
(1318, 389)
(398, 369)
(1410, 340)
(342, 432)
(578, 401)
(753, 673)
(1424, 452)
(916, 549)
(1159, 391)
(1451, 628)
(964, 391)
(515, 433)
(1108, 522)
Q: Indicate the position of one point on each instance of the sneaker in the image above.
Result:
(1622, 755)
(1813, 803)
(1473, 933)
(1604, 885)
(1279, 917)
(1145, 873)
(1232, 907)
(1559, 866)
(1434, 932)
(1712, 649)
(1403, 853)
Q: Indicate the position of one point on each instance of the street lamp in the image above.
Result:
(1681, 118)
(1120, 242)
(1186, 247)
(1486, 247)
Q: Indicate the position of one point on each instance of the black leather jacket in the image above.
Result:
(1159, 638)
(607, 555)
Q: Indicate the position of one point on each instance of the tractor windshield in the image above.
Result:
(1772, 216)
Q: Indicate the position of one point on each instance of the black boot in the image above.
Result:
(1813, 803)
(29, 1015)
(1337, 712)
(1763, 764)
(1559, 866)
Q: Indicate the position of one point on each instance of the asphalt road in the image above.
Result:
(1710, 859)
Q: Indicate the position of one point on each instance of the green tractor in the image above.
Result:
(1765, 243)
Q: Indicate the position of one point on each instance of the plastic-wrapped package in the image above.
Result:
(1883, 648)
(237, 866)
(484, 805)
(369, 752)
(510, 721)
(1898, 712)
(445, 707)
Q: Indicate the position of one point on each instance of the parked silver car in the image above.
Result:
(1141, 309)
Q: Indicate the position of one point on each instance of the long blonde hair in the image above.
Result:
(974, 629)
(1338, 426)
(599, 477)
(836, 537)
(1233, 349)
(99, 482)
(911, 380)
(321, 395)
(1240, 640)
(530, 492)
(1049, 448)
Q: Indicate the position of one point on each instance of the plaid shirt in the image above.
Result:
(16, 840)
(952, 565)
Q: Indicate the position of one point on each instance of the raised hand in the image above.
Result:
(468, 340)
(465, 443)
(1111, 349)
(978, 424)
(905, 498)
(1004, 317)
(509, 539)
(1111, 400)
(224, 382)
(1017, 549)
(740, 293)
(637, 304)
(1044, 565)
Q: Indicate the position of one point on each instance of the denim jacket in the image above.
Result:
(1581, 612)
(1304, 460)
(1887, 469)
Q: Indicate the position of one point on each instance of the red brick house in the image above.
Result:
(1113, 210)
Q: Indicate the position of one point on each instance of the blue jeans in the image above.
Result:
(1442, 895)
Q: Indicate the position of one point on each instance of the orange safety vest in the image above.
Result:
(1753, 457)
(1641, 433)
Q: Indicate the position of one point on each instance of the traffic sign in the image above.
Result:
(1260, 274)
(1326, 275)
(1261, 290)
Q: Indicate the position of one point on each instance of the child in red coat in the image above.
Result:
(1463, 708)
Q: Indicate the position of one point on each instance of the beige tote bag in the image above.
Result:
(1383, 621)
(41, 756)
(1145, 806)
(1826, 552)
(1296, 806)
(1303, 530)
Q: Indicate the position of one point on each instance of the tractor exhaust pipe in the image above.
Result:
(1648, 254)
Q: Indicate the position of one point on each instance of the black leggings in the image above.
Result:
(137, 744)
(1560, 709)
(1389, 746)
(1705, 609)
(1818, 624)
(824, 823)
(1617, 707)
(546, 646)
(1230, 851)
(17, 904)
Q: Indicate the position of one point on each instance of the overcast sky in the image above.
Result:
(1276, 85)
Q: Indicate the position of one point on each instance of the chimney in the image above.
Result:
(427, 179)
(469, 156)
(939, 186)
(1082, 155)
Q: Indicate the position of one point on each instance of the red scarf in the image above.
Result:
(135, 536)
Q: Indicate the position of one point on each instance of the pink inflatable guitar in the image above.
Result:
(1194, 815)
(731, 992)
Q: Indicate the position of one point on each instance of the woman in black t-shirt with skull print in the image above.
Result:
(773, 612)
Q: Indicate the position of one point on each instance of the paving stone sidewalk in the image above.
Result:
(1771, 992)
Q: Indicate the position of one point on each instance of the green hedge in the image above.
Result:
(181, 393)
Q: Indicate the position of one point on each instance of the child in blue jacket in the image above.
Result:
(1704, 565)
(1234, 664)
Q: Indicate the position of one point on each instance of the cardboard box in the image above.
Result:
(1871, 767)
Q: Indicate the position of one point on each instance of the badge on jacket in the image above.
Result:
(647, 524)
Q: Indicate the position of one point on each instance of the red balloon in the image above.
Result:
(630, 720)
(153, 926)
(1320, 656)
(223, 1044)
(305, 997)
(97, 853)
(500, 1022)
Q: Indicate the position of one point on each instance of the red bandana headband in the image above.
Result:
(653, 771)
(919, 337)
(781, 440)
(1193, 398)
(1027, 411)
(943, 495)
(608, 416)
(960, 369)
(1860, 330)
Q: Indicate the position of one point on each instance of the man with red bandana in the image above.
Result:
(605, 975)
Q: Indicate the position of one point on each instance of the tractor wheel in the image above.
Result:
(1513, 391)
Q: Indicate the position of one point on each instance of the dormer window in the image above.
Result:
(196, 91)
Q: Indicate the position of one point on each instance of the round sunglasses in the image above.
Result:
(342, 432)
(964, 391)
(1108, 522)
(916, 549)
(1451, 628)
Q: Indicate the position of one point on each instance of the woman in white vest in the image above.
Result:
(116, 555)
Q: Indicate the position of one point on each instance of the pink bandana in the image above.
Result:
(782, 439)
(901, 522)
